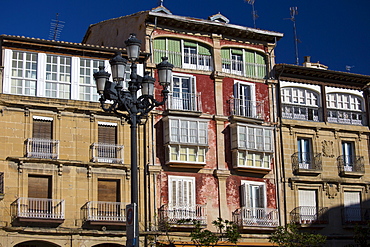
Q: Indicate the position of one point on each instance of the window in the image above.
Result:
(39, 187)
(345, 108)
(300, 104)
(23, 73)
(87, 84)
(244, 62)
(1, 183)
(58, 77)
(183, 95)
(186, 139)
(352, 206)
(304, 153)
(181, 197)
(244, 104)
(253, 146)
(307, 200)
(183, 53)
(108, 190)
(348, 151)
(253, 194)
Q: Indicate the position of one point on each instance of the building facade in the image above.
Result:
(211, 148)
(324, 151)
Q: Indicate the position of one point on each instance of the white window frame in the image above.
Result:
(302, 95)
(246, 197)
(242, 106)
(57, 88)
(181, 179)
(184, 101)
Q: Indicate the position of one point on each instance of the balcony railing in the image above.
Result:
(189, 61)
(39, 208)
(105, 211)
(173, 213)
(346, 117)
(42, 148)
(247, 108)
(351, 165)
(301, 112)
(107, 153)
(353, 215)
(309, 215)
(262, 217)
(184, 102)
(251, 70)
(307, 162)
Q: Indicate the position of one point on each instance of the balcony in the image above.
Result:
(346, 117)
(39, 210)
(353, 215)
(184, 102)
(309, 216)
(237, 67)
(351, 166)
(307, 163)
(247, 108)
(249, 218)
(300, 112)
(171, 214)
(187, 61)
(105, 213)
(107, 153)
(42, 148)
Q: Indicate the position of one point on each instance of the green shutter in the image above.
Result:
(174, 52)
(174, 45)
(203, 50)
(225, 56)
(190, 44)
(159, 46)
(237, 51)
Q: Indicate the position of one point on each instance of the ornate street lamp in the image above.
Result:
(126, 103)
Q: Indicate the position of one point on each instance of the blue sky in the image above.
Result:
(334, 32)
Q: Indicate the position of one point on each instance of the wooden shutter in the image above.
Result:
(107, 134)
(307, 198)
(42, 129)
(244, 195)
(39, 187)
(181, 191)
(108, 190)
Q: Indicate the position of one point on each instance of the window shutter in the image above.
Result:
(108, 191)
(237, 51)
(107, 134)
(352, 198)
(225, 55)
(159, 44)
(190, 44)
(42, 129)
(261, 196)
(174, 45)
(39, 187)
(203, 50)
(244, 195)
(307, 198)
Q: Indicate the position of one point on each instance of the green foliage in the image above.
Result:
(362, 235)
(289, 236)
(227, 231)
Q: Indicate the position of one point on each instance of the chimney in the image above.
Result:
(307, 63)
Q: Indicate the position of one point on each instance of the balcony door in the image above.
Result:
(42, 135)
(181, 198)
(352, 206)
(243, 103)
(307, 205)
(107, 140)
(304, 153)
(183, 97)
(348, 155)
(108, 196)
(39, 193)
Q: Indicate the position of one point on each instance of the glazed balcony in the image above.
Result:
(305, 163)
(172, 214)
(184, 102)
(309, 216)
(105, 213)
(346, 117)
(39, 210)
(301, 112)
(107, 153)
(351, 165)
(353, 215)
(42, 148)
(248, 217)
(247, 108)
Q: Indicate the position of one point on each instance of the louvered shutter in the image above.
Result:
(107, 134)
(39, 187)
(108, 190)
(244, 195)
(261, 196)
(203, 50)
(42, 129)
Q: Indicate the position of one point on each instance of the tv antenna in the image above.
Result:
(348, 67)
(56, 27)
(254, 13)
(293, 13)
(160, 2)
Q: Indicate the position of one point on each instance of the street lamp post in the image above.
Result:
(127, 104)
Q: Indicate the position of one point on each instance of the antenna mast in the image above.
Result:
(254, 13)
(56, 27)
(293, 13)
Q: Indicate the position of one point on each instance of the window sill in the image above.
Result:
(185, 164)
(258, 170)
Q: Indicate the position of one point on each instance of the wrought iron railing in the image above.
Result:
(355, 215)
(346, 117)
(105, 211)
(42, 148)
(309, 215)
(251, 70)
(39, 208)
(107, 153)
(306, 161)
(351, 163)
(184, 101)
(263, 217)
(173, 213)
(247, 108)
(190, 61)
(301, 112)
